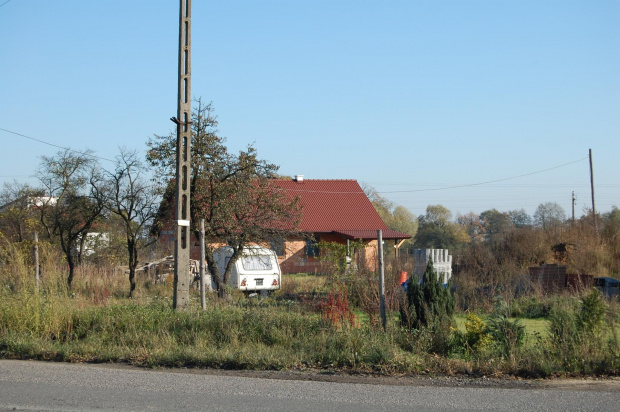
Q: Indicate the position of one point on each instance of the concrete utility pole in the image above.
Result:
(592, 189)
(573, 206)
(183, 121)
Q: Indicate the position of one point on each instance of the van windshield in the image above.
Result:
(256, 262)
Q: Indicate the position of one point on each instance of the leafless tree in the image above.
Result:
(130, 195)
(73, 201)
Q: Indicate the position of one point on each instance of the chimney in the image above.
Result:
(299, 178)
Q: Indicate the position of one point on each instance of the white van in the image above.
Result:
(256, 270)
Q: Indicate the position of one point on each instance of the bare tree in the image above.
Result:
(130, 196)
(73, 202)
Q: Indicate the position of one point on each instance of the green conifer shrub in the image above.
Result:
(431, 305)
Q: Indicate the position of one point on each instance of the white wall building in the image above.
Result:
(442, 262)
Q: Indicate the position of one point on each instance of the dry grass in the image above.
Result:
(95, 321)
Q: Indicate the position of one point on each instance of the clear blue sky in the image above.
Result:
(405, 96)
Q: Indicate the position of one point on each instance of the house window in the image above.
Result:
(312, 248)
(277, 245)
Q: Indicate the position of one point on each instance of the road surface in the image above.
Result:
(42, 386)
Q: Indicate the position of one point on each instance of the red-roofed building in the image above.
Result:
(332, 211)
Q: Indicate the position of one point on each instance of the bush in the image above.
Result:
(507, 335)
(531, 307)
(580, 339)
(431, 305)
(476, 336)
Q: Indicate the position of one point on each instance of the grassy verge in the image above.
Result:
(94, 322)
(254, 336)
(249, 335)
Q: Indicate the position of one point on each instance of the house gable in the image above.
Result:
(338, 207)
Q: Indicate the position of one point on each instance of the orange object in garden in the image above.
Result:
(403, 277)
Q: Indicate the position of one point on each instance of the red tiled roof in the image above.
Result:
(339, 206)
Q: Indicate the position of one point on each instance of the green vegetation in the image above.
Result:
(307, 326)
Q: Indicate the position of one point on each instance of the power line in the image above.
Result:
(55, 145)
(4, 3)
(484, 183)
(441, 188)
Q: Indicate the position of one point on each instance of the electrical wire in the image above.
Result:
(340, 192)
(487, 182)
(444, 187)
(55, 145)
(4, 3)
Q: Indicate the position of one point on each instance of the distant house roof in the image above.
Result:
(338, 207)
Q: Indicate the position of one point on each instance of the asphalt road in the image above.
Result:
(42, 386)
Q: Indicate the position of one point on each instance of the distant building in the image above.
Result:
(30, 202)
(552, 277)
(93, 242)
(442, 263)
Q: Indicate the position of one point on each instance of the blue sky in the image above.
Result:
(406, 96)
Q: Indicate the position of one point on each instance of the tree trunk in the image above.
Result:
(215, 273)
(71, 263)
(80, 250)
(133, 263)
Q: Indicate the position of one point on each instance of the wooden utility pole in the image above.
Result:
(182, 242)
(381, 280)
(203, 300)
(592, 189)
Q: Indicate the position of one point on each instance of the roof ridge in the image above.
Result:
(317, 180)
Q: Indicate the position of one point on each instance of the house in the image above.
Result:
(29, 202)
(332, 211)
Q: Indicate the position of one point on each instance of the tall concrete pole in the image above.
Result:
(183, 121)
(592, 188)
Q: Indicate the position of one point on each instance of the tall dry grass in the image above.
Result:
(94, 321)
